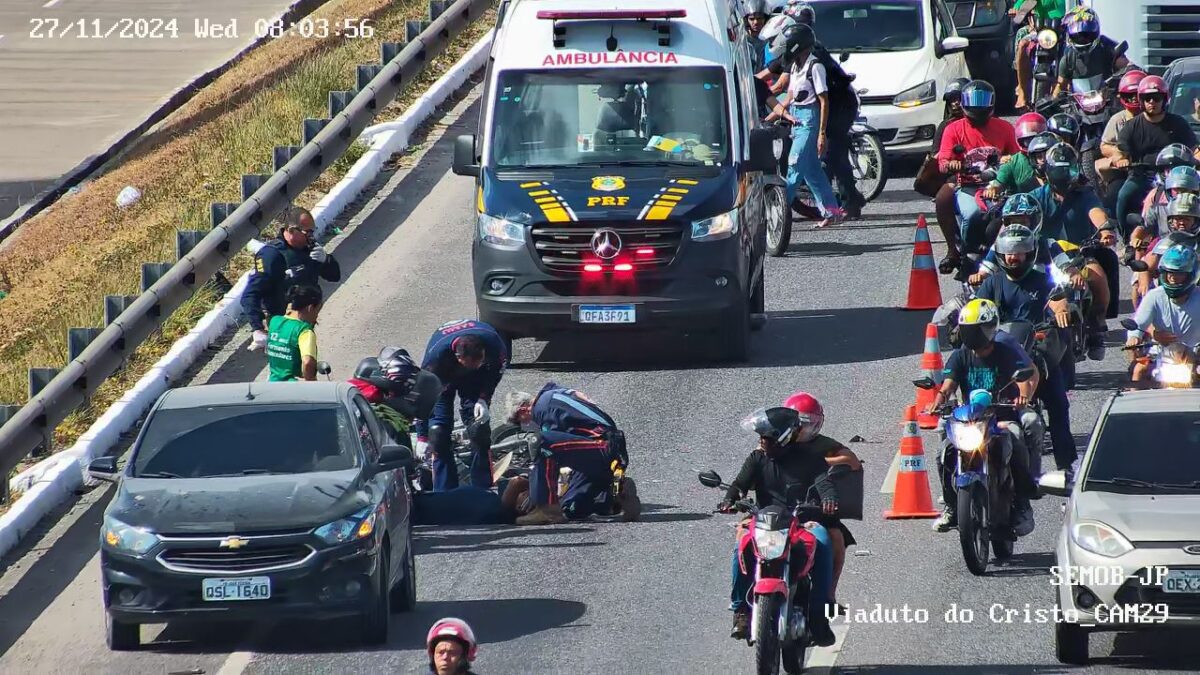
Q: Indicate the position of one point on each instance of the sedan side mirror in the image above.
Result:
(762, 151)
(103, 468)
(954, 45)
(466, 163)
(393, 456)
(710, 479)
(1054, 483)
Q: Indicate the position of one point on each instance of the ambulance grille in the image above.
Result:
(647, 245)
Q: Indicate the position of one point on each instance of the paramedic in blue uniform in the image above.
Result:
(469, 357)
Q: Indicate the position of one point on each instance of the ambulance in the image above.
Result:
(621, 173)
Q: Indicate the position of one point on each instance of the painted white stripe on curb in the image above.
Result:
(826, 657)
(53, 480)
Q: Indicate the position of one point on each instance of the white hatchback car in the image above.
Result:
(903, 53)
(1128, 556)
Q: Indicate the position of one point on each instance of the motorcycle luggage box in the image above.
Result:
(850, 491)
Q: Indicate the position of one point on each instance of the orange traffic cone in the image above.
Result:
(931, 367)
(924, 292)
(911, 498)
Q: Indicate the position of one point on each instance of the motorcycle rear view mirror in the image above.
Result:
(1138, 266)
(925, 383)
(1134, 220)
(1129, 324)
(1023, 375)
(323, 368)
(710, 479)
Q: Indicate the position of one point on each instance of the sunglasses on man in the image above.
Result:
(1151, 98)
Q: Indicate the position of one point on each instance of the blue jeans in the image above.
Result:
(804, 164)
(822, 577)
(970, 217)
(1129, 199)
(1053, 393)
(438, 428)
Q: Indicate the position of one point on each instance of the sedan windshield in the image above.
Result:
(1184, 94)
(865, 26)
(623, 116)
(1156, 452)
(238, 440)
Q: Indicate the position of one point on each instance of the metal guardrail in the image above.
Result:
(96, 354)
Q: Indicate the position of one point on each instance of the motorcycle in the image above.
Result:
(1046, 53)
(514, 447)
(979, 168)
(779, 628)
(982, 476)
(1172, 366)
(1092, 101)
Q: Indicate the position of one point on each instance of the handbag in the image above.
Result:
(929, 178)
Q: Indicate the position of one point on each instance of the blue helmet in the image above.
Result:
(1180, 259)
(1183, 178)
(1023, 205)
(1083, 28)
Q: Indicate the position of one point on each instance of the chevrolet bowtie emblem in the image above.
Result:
(606, 244)
(233, 542)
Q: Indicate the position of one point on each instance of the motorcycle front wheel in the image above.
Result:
(779, 221)
(972, 527)
(766, 633)
(870, 165)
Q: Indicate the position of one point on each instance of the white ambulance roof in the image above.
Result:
(527, 42)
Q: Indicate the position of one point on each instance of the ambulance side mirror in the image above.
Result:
(762, 151)
(466, 163)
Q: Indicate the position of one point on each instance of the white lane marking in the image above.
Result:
(826, 657)
(49, 4)
(235, 663)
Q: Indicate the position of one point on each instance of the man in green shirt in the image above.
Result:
(1017, 175)
(291, 342)
(1044, 10)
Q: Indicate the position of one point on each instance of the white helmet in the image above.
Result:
(774, 26)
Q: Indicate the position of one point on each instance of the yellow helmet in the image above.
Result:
(977, 323)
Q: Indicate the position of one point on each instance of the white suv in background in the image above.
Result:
(902, 53)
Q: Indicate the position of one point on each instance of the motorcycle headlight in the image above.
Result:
(357, 525)
(770, 543)
(919, 95)
(1047, 39)
(501, 232)
(715, 228)
(126, 538)
(1100, 539)
(967, 436)
(1175, 373)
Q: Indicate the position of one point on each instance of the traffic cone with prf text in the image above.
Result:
(912, 497)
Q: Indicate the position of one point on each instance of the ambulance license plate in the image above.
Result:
(607, 314)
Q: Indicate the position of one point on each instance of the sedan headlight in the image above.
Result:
(717, 227)
(921, 94)
(358, 525)
(126, 538)
(1100, 539)
(967, 436)
(1047, 39)
(770, 543)
(501, 232)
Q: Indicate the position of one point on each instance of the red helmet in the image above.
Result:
(1128, 88)
(452, 629)
(812, 414)
(1029, 125)
(1153, 84)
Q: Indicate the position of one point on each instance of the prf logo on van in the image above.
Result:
(608, 183)
(610, 58)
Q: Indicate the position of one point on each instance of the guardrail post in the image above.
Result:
(152, 272)
(6, 413)
(38, 379)
(186, 240)
(114, 305)
(219, 211)
(338, 100)
(366, 73)
(413, 28)
(389, 51)
(251, 182)
(284, 154)
(78, 339)
(436, 8)
(311, 128)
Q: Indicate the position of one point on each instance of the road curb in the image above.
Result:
(47, 484)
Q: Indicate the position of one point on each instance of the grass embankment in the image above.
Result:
(60, 265)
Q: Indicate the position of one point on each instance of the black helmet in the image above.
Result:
(1065, 126)
(368, 367)
(779, 425)
(1175, 154)
(791, 42)
(1016, 239)
(1039, 145)
(400, 368)
(978, 100)
(1062, 167)
(954, 89)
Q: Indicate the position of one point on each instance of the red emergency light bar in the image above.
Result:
(623, 267)
(592, 267)
(603, 14)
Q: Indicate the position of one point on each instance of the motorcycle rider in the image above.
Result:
(1183, 216)
(1172, 309)
(1026, 37)
(576, 434)
(1089, 58)
(1017, 175)
(790, 457)
(1173, 160)
(451, 646)
(978, 129)
(469, 357)
(295, 258)
(755, 15)
(1065, 128)
(1131, 106)
(986, 360)
(953, 109)
(1141, 140)
(1022, 293)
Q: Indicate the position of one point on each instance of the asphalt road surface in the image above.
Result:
(649, 597)
(76, 75)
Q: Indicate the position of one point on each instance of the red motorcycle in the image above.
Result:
(779, 628)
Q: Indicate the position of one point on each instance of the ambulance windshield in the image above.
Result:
(623, 116)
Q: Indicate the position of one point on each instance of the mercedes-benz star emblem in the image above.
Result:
(606, 243)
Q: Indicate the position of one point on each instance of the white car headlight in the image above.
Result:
(718, 227)
(126, 538)
(501, 232)
(1100, 539)
(923, 93)
(357, 525)
(1047, 39)
(966, 436)
(770, 543)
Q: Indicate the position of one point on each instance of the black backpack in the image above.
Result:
(841, 88)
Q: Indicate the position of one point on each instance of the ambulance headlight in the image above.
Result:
(501, 232)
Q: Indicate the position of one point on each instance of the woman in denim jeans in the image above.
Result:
(808, 102)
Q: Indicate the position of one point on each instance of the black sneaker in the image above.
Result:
(822, 634)
(948, 264)
(741, 626)
(1095, 346)
(947, 521)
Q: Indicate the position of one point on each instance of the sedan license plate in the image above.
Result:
(241, 588)
(1181, 581)
(607, 314)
